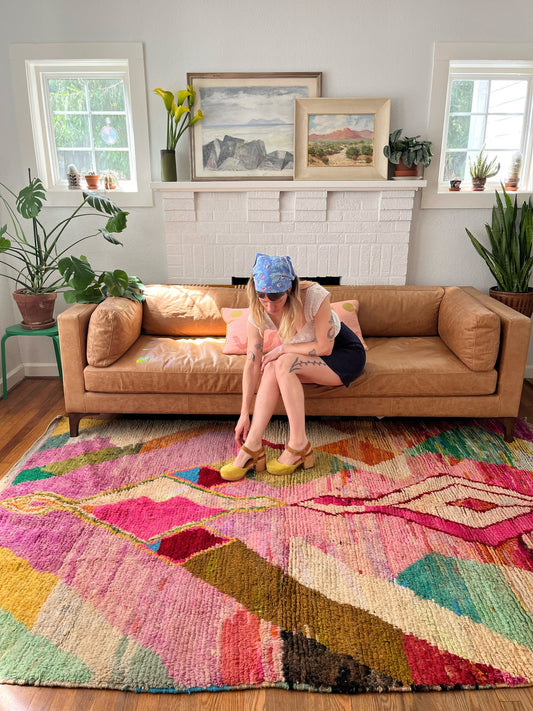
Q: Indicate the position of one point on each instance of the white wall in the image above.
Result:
(382, 48)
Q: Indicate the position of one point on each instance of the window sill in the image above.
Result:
(466, 199)
(57, 197)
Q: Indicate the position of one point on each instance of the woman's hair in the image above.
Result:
(292, 310)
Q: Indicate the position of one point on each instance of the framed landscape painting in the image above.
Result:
(247, 132)
(341, 139)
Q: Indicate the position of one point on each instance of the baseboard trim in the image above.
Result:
(40, 370)
(14, 377)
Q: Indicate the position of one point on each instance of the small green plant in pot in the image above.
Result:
(482, 168)
(407, 152)
(509, 258)
(35, 257)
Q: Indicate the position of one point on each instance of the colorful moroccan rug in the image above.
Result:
(401, 561)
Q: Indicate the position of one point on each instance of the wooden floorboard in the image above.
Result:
(24, 417)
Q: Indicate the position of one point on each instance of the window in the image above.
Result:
(485, 110)
(88, 109)
(481, 99)
(89, 123)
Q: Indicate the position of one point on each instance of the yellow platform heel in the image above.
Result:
(306, 459)
(257, 461)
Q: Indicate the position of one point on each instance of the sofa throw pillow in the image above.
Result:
(236, 336)
(469, 329)
(114, 326)
(347, 312)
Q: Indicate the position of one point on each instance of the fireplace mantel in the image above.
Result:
(356, 229)
(232, 186)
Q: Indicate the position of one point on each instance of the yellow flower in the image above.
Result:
(179, 115)
(167, 96)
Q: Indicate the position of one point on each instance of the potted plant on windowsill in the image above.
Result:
(92, 179)
(407, 152)
(482, 168)
(37, 260)
(510, 257)
(514, 172)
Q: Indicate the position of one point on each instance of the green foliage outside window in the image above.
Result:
(82, 108)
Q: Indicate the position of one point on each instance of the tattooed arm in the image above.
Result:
(325, 337)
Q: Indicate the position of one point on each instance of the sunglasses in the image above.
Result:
(270, 297)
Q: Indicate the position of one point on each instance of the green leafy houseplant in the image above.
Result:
(38, 261)
(510, 234)
(411, 150)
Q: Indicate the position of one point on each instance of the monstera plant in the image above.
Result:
(36, 257)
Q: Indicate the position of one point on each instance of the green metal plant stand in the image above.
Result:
(19, 330)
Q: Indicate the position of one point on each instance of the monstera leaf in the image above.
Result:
(30, 199)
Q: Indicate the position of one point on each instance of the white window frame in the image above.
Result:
(30, 64)
(513, 55)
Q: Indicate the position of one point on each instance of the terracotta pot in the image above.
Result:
(478, 184)
(92, 181)
(37, 310)
(511, 184)
(402, 171)
(522, 302)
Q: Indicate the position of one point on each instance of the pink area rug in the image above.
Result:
(400, 561)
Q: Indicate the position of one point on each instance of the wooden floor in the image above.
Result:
(24, 416)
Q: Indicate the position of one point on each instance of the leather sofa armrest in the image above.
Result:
(512, 358)
(73, 325)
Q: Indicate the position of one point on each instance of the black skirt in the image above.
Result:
(348, 356)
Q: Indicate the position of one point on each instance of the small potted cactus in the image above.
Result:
(73, 178)
(92, 178)
(514, 172)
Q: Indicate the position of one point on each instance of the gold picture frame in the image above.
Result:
(247, 132)
(341, 139)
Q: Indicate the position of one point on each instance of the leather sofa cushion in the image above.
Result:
(186, 310)
(114, 326)
(396, 367)
(469, 329)
(394, 310)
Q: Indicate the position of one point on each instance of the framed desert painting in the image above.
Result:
(341, 139)
(247, 132)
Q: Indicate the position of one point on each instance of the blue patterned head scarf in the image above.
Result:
(272, 275)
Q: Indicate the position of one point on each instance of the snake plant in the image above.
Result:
(510, 234)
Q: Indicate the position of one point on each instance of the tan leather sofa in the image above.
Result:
(432, 352)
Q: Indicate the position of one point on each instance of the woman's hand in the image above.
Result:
(241, 429)
(272, 355)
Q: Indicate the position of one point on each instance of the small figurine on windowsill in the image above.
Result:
(73, 178)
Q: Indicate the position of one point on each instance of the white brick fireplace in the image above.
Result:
(356, 230)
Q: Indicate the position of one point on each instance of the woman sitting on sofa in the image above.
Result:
(316, 348)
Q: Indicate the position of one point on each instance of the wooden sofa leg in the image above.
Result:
(508, 426)
(74, 422)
